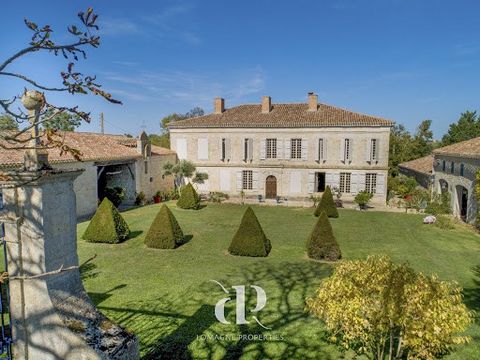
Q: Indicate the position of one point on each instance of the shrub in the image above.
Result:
(363, 198)
(140, 199)
(315, 199)
(217, 196)
(250, 240)
(327, 205)
(164, 233)
(115, 195)
(321, 244)
(477, 194)
(439, 204)
(107, 225)
(402, 185)
(189, 198)
(417, 199)
(444, 223)
(374, 304)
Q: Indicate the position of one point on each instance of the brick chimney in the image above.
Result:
(312, 101)
(219, 105)
(266, 104)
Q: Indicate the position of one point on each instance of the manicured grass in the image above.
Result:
(167, 299)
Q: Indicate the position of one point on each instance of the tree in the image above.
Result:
(165, 232)
(321, 244)
(189, 198)
(422, 143)
(387, 310)
(73, 82)
(164, 138)
(7, 122)
(63, 121)
(327, 204)
(250, 240)
(107, 225)
(467, 127)
(400, 148)
(182, 170)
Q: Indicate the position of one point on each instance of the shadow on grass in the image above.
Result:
(472, 295)
(134, 234)
(98, 298)
(186, 239)
(184, 326)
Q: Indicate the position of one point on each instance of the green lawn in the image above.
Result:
(166, 298)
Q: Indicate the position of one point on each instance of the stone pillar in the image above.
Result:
(52, 316)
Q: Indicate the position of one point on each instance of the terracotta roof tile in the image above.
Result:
(93, 147)
(282, 115)
(469, 148)
(422, 165)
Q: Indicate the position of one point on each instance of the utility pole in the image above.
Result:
(102, 124)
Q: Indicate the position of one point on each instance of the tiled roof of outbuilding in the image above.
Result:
(469, 148)
(423, 165)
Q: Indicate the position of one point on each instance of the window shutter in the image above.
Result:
(342, 150)
(287, 149)
(280, 149)
(368, 151)
(311, 182)
(380, 184)
(350, 154)
(263, 149)
(220, 143)
(228, 149)
(255, 179)
(317, 150)
(239, 180)
(361, 182)
(336, 180)
(202, 149)
(325, 154)
(181, 148)
(354, 183)
(329, 180)
(304, 149)
(377, 150)
(250, 149)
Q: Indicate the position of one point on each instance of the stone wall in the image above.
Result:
(150, 176)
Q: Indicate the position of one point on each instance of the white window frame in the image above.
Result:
(348, 149)
(247, 179)
(345, 182)
(374, 149)
(371, 183)
(296, 148)
(271, 148)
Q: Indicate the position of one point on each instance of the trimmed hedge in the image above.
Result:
(107, 225)
(321, 244)
(327, 205)
(164, 233)
(250, 240)
(189, 198)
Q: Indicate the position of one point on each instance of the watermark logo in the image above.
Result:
(240, 304)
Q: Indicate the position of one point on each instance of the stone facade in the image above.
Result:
(228, 154)
(459, 180)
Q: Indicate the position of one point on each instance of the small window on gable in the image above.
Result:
(462, 169)
(452, 167)
(444, 165)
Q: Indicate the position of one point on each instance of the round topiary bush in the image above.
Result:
(189, 198)
(107, 225)
(164, 233)
(250, 240)
(327, 205)
(321, 244)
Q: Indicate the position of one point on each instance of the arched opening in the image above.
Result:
(462, 198)
(271, 187)
(443, 186)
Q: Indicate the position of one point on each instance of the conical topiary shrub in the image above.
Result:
(250, 240)
(164, 233)
(189, 198)
(321, 244)
(107, 225)
(327, 204)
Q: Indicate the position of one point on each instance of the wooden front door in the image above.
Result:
(271, 187)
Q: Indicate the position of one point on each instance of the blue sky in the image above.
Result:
(406, 60)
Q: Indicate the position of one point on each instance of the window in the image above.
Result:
(452, 167)
(374, 150)
(345, 182)
(247, 179)
(444, 165)
(462, 169)
(371, 183)
(296, 148)
(348, 149)
(224, 149)
(271, 148)
(146, 167)
(321, 151)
